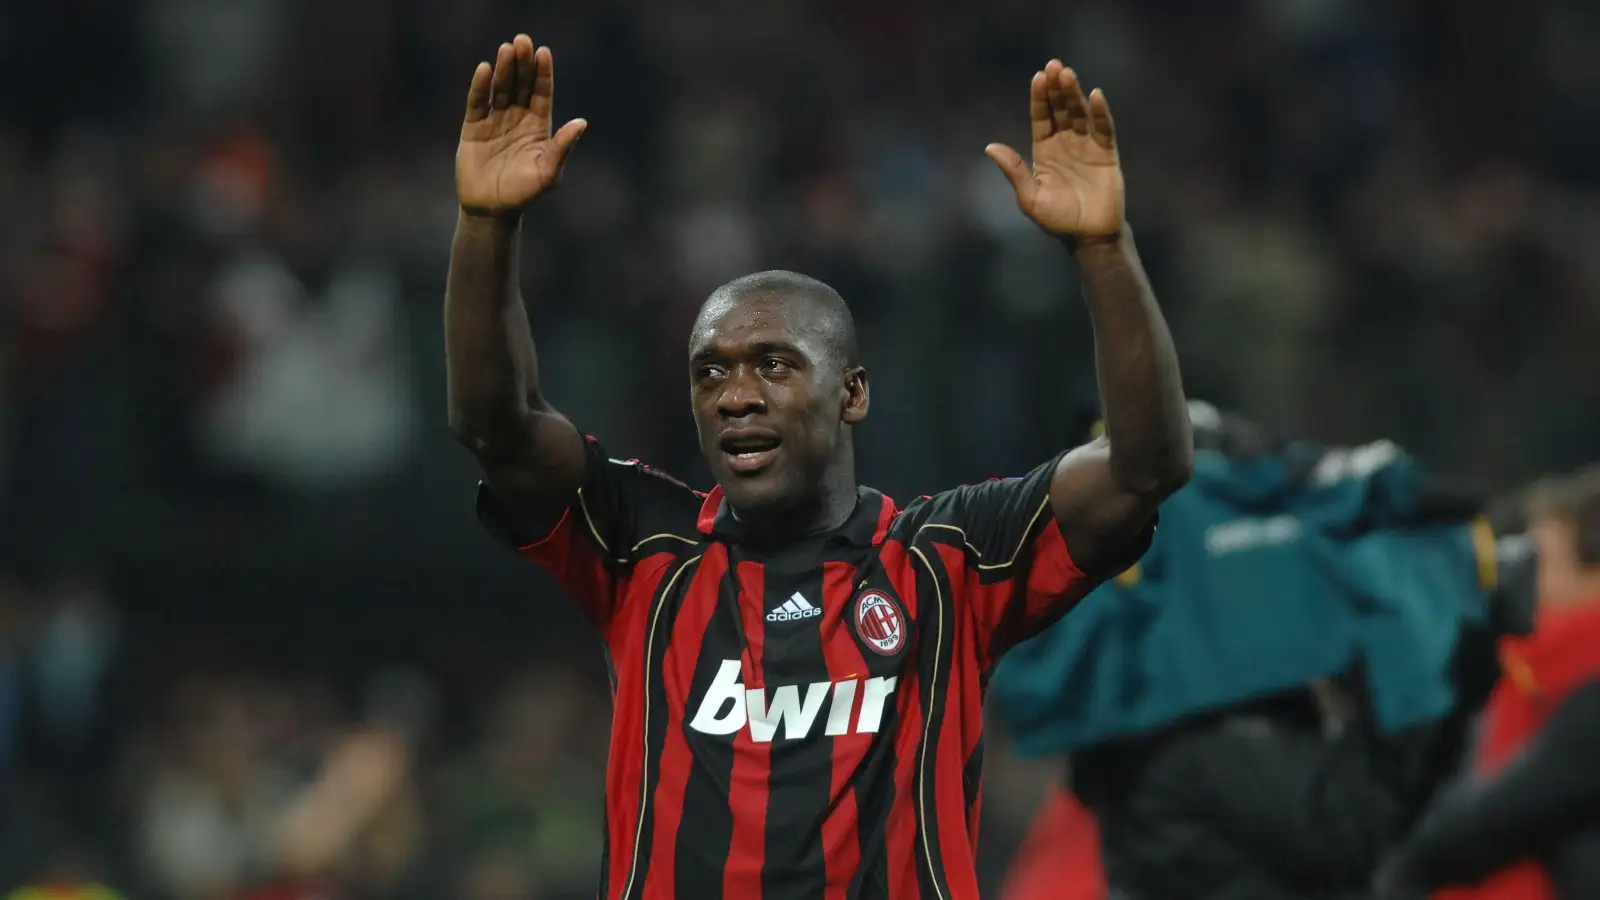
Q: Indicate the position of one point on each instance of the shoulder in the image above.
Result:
(973, 516)
(928, 510)
(646, 478)
(641, 503)
(980, 503)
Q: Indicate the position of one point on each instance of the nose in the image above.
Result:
(741, 395)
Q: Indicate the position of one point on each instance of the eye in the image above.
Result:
(774, 366)
(709, 371)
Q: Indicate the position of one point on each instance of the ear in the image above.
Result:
(856, 396)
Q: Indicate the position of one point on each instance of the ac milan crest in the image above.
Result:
(879, 622)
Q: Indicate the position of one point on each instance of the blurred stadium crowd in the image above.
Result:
(243, 581)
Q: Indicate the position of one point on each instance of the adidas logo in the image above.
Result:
(793, 610)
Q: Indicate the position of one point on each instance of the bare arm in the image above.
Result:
(1104, 494)
(532, 457)
(366, 771)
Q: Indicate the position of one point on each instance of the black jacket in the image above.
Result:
(1254, 804)
(1544, 805)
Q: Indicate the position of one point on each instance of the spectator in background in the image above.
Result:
(255, 798)
(58, 644)
(55, 371)
(521, 810)
(214, 782)
(357, 828)
(1525, 823)
(318, 397)
(75, 649)
(357, 825)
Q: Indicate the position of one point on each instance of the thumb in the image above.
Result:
(1012, 166)
(566, 137)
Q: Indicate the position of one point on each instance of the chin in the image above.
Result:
(767, 492)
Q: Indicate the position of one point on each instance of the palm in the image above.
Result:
(508, 155)
(1077, 186)
(1074, 187)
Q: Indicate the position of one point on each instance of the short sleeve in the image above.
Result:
(1006, 558)
(625, 512)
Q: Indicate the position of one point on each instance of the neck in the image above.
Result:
(820, 513)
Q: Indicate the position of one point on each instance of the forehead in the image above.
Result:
(733, 326)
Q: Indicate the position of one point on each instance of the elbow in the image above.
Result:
(1174, 468)
(486, 436)
(1155, 480)
(465, 427)
(1167, 483)
(1179, 471)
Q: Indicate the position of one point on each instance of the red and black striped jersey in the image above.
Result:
(805, 724)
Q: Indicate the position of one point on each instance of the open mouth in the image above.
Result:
(749, 450)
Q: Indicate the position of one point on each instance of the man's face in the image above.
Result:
(770, 401)
(1563, 578)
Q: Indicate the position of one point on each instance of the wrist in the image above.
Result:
(1079, 244)
(487, 224)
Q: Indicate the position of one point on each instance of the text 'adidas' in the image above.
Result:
(794, 609)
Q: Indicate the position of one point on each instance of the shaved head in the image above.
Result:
(808, 305)
(776, 387)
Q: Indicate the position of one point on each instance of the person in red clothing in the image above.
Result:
(1060, 857)
(798, 665)
(1525, 823)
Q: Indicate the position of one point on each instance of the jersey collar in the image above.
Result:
(867, 526)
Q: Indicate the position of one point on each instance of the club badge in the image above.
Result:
(880, 623)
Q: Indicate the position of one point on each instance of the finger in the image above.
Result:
(566, 138)
(1105, 129)
(522, 83)
(478, 92)
(1059, 115)
(1077, 105)
(542, 102)
(501, 86)
(1013, 167)
(1039, 109)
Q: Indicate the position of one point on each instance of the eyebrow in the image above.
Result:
(762, 348)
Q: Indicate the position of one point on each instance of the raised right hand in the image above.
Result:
(508, 156)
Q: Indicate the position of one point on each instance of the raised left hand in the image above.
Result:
(1074, 187)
